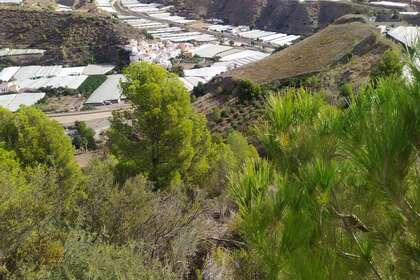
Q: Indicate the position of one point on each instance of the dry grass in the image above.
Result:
(62, 104)
(74, 39)
(315, 54)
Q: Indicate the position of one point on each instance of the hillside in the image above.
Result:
(68, 38)
(288, 16)
(315, 54)
(341, 53)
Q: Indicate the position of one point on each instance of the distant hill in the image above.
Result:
(76, 38)
(288, 16)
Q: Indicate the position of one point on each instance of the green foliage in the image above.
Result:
(85, 258)
(338, 198)
(246, 90)
(38, 190)
(199, 89)
(216, 115)
(91, 84)
(346, 90)
(37, 140)
(296, 127)
(390, 65)
(228, 157)
(85, 137)
(162, 137)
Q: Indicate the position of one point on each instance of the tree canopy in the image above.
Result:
(338, 197)
(162, 137)
(37, 140)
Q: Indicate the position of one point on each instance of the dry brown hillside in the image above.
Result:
(68, 38)
(315, 54)
(288, 16)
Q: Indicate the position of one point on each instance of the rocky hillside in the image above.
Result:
(68, 38)
(289, 16)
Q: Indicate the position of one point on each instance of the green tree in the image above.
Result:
(36, 140)
(246, 90)
(162, 137)
(87, 137)
(199, 89)
(390, 64)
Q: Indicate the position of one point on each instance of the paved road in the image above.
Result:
(97, 119)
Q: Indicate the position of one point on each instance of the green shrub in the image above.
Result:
(246, 90)
(346, 89)
(390, 64)
(216, 115)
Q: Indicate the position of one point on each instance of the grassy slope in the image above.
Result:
(315, 54)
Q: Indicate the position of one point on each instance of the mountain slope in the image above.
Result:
(68, 38)
(342, 53)
(315, 54)
(288, 16)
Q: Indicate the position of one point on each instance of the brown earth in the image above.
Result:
(73, 39)
(315, 54)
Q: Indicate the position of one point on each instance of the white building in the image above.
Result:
(156, 52)
(109, 92)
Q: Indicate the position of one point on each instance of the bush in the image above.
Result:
(85, 137)
(216, 115)
(346, 90)
(199, 89)
(246, 90)
(178, 69)
(390, 64)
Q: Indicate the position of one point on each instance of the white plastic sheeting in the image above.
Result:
(15, 52)
(72, 82)
(98, 69)
(272, 37)
(14, 101)
(26, 72)
(407, 35)
(285, 40)
(17, 2)
(71, 71)
(244, 54)
(390, 4)
(255, 34)
(191, 82)
(210, 50)
(206, 73)
(7, 73)
(109, 91)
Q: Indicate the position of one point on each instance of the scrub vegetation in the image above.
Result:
(326, 192)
